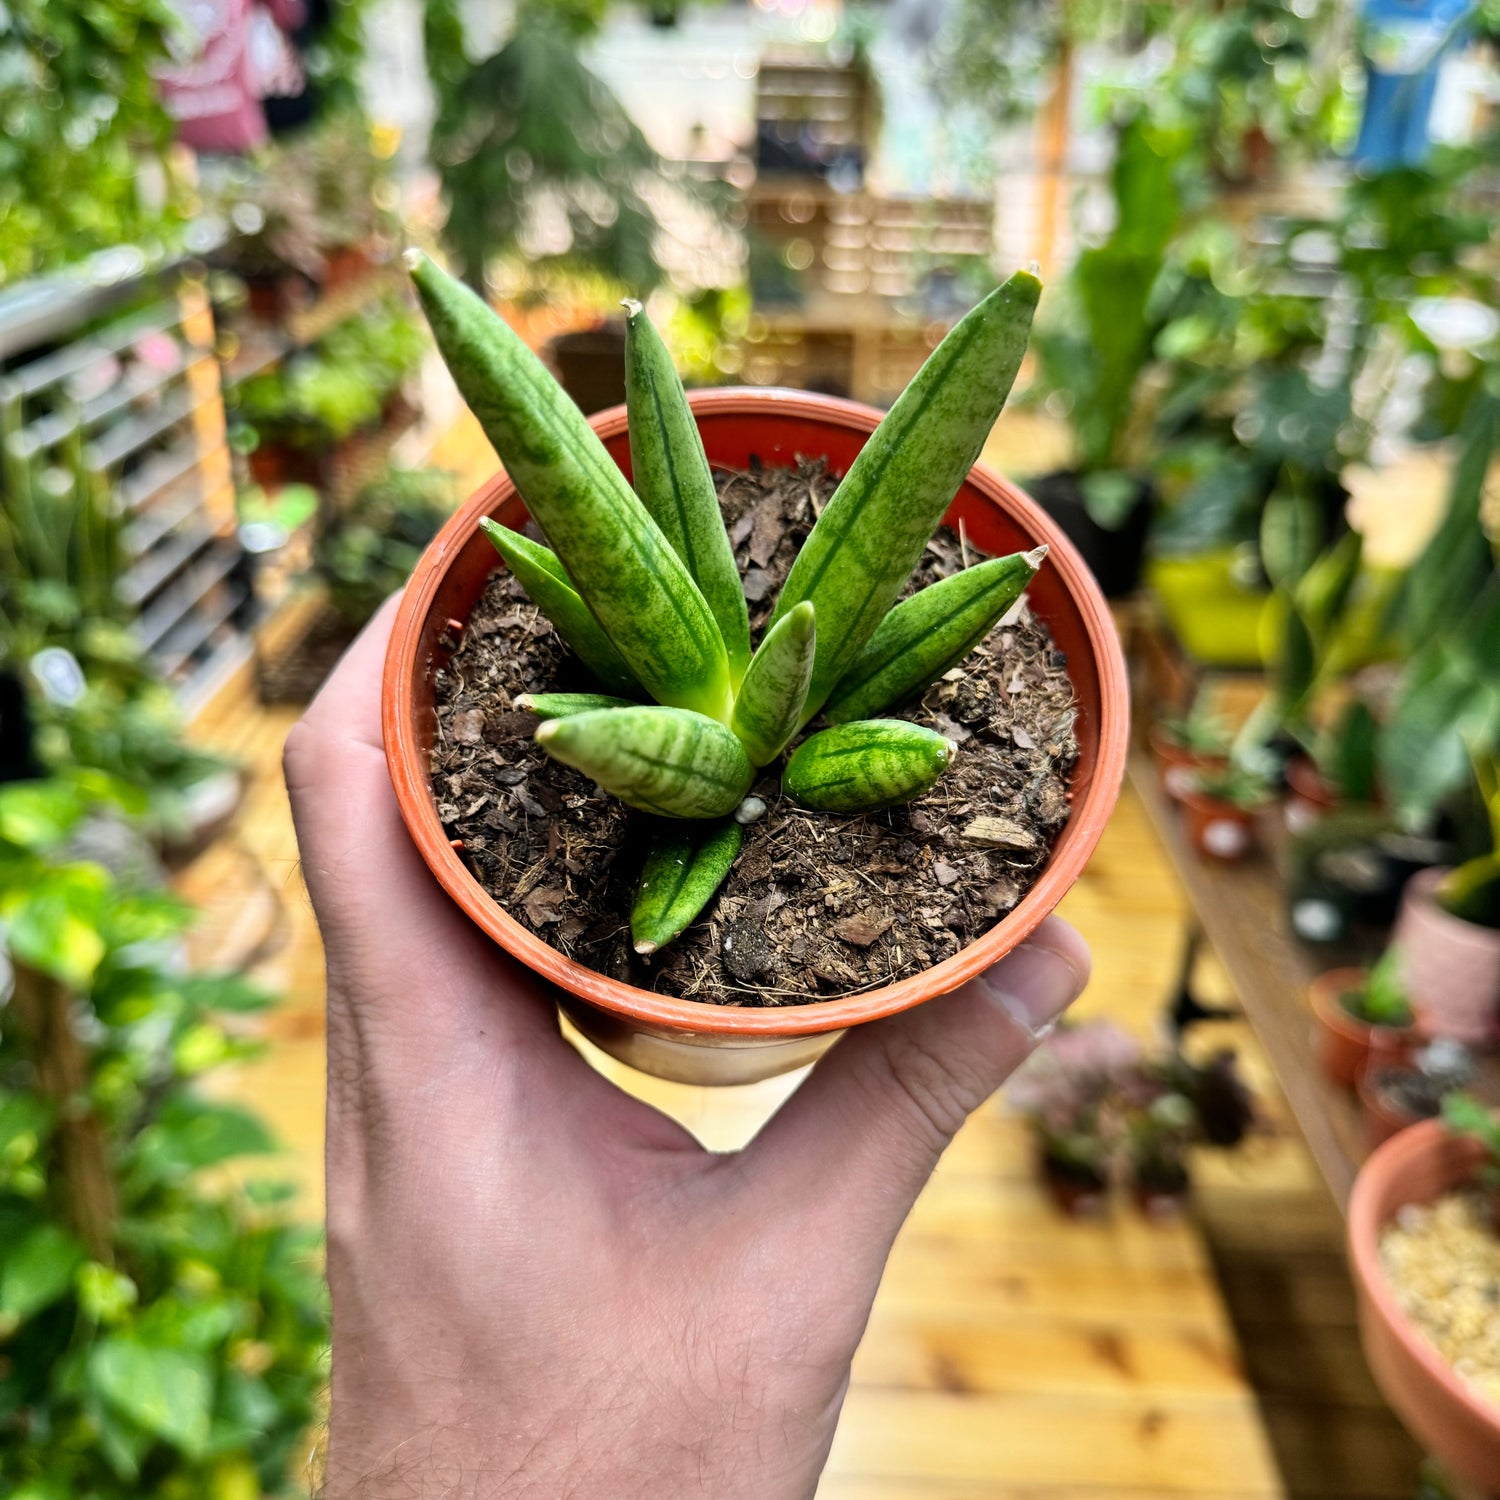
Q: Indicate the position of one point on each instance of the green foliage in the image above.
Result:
(684, 867)
(628, 579)
(366, 551)
(321, 395)
(532, 126)
(1238, 784)
(1447, 704)
(1465, 1115)
(81, 117)
(1096, 354)
(1472, 890)
(1381, 1000)
(159, 1338)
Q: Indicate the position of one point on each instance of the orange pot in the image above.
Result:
(1221, 830)
(1347, 1045)
(689, 1040)
(1446, 1415)
(1310, 796)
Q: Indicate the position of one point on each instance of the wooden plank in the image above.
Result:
(1346, 1455)
(974, 1353)
(1064, 1441)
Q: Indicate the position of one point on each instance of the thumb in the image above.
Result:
(863, 1133)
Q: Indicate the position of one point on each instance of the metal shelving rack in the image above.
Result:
(122, 383)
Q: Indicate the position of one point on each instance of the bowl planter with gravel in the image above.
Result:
(860, 814)
(1426, 1263)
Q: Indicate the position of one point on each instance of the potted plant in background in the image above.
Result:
(1072, 1092)
(899, 487)
(1220, 807)
(1092, 362)
(1198, 741)
(1158, 1133)
(1397, 1094)
(1361, 1014)
(1449, 929)
(1425, 1255)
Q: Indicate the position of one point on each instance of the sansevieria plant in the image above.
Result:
(641, 584)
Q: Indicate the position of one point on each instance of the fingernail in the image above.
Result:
(1034, 986)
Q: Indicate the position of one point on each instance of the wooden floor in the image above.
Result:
(1011, 1353)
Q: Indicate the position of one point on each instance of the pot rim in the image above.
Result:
(1324, 996)
(1365, 1224)
(1094, 803)
(1421, 891)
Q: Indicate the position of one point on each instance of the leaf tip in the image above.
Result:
(1036, 557)
(646, 947)
(633, 308)
(548, 731)
(526, 703)
(412, 258)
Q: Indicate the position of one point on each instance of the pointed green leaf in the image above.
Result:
(675, 483)
(167, 1393)
(928, 634)
(867, 765)
(872, 532)
(616, 556)
(539, 573)
(565, 705)
(768, 708)
(680, 874)
(669, 761)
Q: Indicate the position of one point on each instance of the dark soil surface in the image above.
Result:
(817, 905)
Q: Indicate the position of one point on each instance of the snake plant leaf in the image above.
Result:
(565, 705)
(926, 635)
(680, 874)
(768, 708)
(669, 761)
(866, 765)
(541, 575)
(872, 532)
(620, 563)
(675, 483)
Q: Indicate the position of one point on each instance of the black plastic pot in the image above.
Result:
(1114, 557)
(18, 760)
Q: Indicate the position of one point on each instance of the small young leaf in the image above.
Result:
(768, 708)
(669, 761)
(541, 575)
(565, 705)
(680, 874)
(617, 558)
(867, 765)
(872, 532)
(928, 634)
(675, 484)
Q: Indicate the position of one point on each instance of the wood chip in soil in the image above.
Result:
(816, 905)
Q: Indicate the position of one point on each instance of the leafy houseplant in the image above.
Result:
(159, 1338)
(1195, 741)
(645, 591)
(1219, 807)
(1361, 1015)
(367, 549)
(1450, 931)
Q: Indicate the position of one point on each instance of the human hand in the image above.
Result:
(543, 1287)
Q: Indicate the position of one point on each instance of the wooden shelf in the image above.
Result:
(1240, 908)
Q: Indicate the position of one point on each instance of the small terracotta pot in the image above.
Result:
(690, 1040)
(1346, 1045)
(1078, 1193)
(1451, 968)
(1310, 796)
(1448, 1417)
(1178, 765)
(344, 266)
(1382, 1119)
(1218, 829)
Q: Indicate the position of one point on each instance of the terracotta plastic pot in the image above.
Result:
(1221, 830)
(1451, 968)
(1446, 1415)
(1382, 1118)
(689, 1040)
(1347, 1045)
(1177, 764)
(1310, 797)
